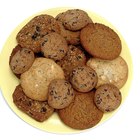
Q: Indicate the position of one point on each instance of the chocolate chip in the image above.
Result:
(105, 89)
(107, 110)
(98, 101)
(35, 35)
(61, 50)
(38, 29)
(43, 109)
(46, 39)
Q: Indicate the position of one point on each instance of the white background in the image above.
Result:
(124, 15)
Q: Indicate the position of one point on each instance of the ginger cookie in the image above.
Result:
(40, 111)
(107, 97)
(101, 41)
(60, 94)
(114, 72)
(30, 36)
(36, 80)
(74, 19)
(83, 78)
(21, 59)
(73, 58)
(82, 113)
(54, 46)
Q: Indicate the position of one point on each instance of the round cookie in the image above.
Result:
(82, 113)
(36, 80)
(83, 78)
(101, 41)
(40, 111)
(30, 36)
(73, 58)
(54, 46)
(74, 19)
(60, 94)
(72, 38)
(107, 97)
(114, 72)
(21, 59)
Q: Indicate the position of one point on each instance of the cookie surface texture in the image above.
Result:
(36, 80)
(82, 113)
(114, 72)
(101, 41)
(107, 97)
(39, 111)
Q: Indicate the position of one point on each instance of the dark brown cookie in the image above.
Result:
(73, 58)
(39, 111)
(101, 41)
(74, 19)
(72, 38)
(107, 97)
(30, 36)
(54, 46)
(60, 94)
(21, 59)
(83, 78)
(82, 113)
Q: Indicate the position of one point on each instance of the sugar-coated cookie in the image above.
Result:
(39, 111)
(83, 78)
(30, 36)
(107, 97)
(114, 72)
(82, 113)
(101, 41)
(54, 46)
(60, 94)
(36, 80)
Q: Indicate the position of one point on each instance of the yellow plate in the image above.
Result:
(8, 81)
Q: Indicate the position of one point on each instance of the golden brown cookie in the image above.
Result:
(60, 94)
(72, 38)
(101, 41)
(21, 59)
(107, 97)
(54, 47)
(36, 80)
(82, 113)
(83, 78)
(39, 111)
(114, 72)
(30, 36)
(73, 58)
(74, 19)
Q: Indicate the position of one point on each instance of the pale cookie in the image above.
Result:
(83, 78)
(114, 72)
(21, 59)
(30, 36)
(54, 46)
(74, 19)
(101, 41)
(107, 97)
(60, 94)
(82, 113)
(36, 80)
(38, 110)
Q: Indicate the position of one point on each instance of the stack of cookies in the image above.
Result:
(70, 65)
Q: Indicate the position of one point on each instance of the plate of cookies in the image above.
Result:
(65, 70)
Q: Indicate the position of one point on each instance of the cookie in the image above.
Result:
(100, 41)
(60, 94)
(72, 38)
(74, 19)
(83, 78)
(54, 46)
(21, 59)
(107, 97)
(82, 113)
(30, 36)
(114, 72)
(73, 58)
(36, 80)
(40, 111)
